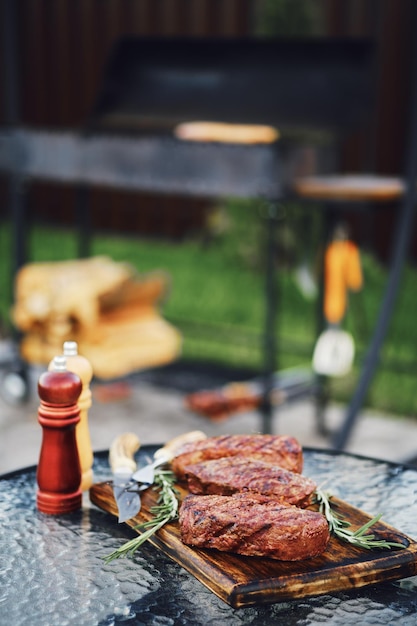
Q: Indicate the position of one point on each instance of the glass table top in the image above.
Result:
(52, 569)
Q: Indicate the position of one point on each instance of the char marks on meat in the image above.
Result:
(235, 474)
(252, 525)
(279, 450)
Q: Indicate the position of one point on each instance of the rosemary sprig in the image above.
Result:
(340, 527)
(165, 510)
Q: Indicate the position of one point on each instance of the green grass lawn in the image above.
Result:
(217, 300)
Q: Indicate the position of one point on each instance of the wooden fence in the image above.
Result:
(63, 46)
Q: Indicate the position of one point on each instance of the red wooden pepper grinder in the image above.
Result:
(82, 367)
(59, 470)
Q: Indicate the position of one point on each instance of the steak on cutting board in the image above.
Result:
(280, 450)
(252, 525)
(236, 474)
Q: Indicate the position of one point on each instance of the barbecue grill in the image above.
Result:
(151, 85)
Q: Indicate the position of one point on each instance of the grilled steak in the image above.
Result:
(253, 525)
(233, 474)
(279, 450)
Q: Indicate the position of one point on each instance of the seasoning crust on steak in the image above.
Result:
(252, 525)
(235, 474)
(280, 450)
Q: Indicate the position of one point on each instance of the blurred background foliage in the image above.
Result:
(217, 296)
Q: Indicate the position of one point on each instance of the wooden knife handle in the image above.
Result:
(122, 452)
(170, 449)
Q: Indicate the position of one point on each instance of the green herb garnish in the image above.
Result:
(166, 510)
(339, 527)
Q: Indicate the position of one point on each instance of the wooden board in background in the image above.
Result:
(244, 581)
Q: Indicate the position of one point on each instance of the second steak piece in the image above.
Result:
(235, 474)
(279, 450)
(253, 525)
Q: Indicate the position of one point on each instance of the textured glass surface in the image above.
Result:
(52, 571)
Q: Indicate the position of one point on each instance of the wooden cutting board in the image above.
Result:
(244, 581)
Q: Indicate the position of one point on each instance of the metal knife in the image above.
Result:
(146, 475)
(123, 464)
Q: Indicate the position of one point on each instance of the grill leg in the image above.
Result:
(15, 381)
(271, 297)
